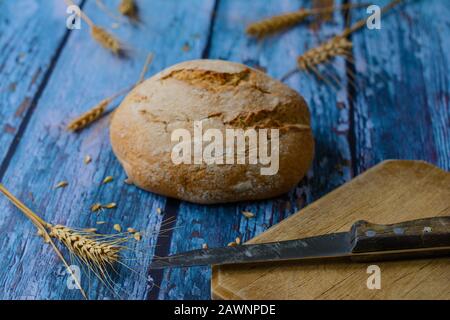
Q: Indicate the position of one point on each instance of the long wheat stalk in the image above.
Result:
(284, 21)
(98, 110)
(97, 252)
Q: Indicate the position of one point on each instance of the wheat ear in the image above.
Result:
(42, 226)
(87, 118)
(97, 252)
(337, 46)
(94, 113)
(129, 8)
(290, 19)
(277, 23)
(97, 111)
(106, 40)
(100, 35)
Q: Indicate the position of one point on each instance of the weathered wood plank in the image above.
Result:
(27, 53)
(84, 74)
(219, 225)
(402, 108)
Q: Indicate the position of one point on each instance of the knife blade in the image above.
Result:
(332, 245)
(365, 241)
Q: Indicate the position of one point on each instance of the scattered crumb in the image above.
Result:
(117, 227)
(111, 205)
(108, 180)
(131, 230)
(137, 236)
(90, 230)
(232, 244)
(96, 207)
(101, 222)
(248, 214)
(87, 159)
(158, 211)
(61, 184)
(205, 246)
(238, 241)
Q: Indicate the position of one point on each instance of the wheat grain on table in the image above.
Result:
(398, 109)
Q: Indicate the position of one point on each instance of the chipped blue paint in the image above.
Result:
(219, 225)
(400, 109)
(402, 105)
(27, 51)
(84, 74)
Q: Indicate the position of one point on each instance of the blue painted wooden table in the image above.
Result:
(397, 106)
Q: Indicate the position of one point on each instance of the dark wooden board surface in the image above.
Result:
(48, 75)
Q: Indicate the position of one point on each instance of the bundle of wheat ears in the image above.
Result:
(338, 46)
(99, 253)
(98, 110)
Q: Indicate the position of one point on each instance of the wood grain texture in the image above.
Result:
(402, 102)
(391, 192)
(219, 225)
(27, 54)
(86, 73)
(399, 110)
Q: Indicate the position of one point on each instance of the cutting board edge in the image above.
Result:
(380, 165)
(219, 292)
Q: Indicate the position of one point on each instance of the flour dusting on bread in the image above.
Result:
(220, 95)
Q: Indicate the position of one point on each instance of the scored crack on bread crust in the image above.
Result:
(222, 95)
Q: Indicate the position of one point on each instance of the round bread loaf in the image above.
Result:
(215, 95)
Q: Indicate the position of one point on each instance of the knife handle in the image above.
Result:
(410, 236)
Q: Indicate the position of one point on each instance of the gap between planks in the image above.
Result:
(164, 240)
(34, 101)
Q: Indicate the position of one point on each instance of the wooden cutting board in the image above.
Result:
(391, 192)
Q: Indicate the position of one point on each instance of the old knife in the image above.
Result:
(364, 242)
